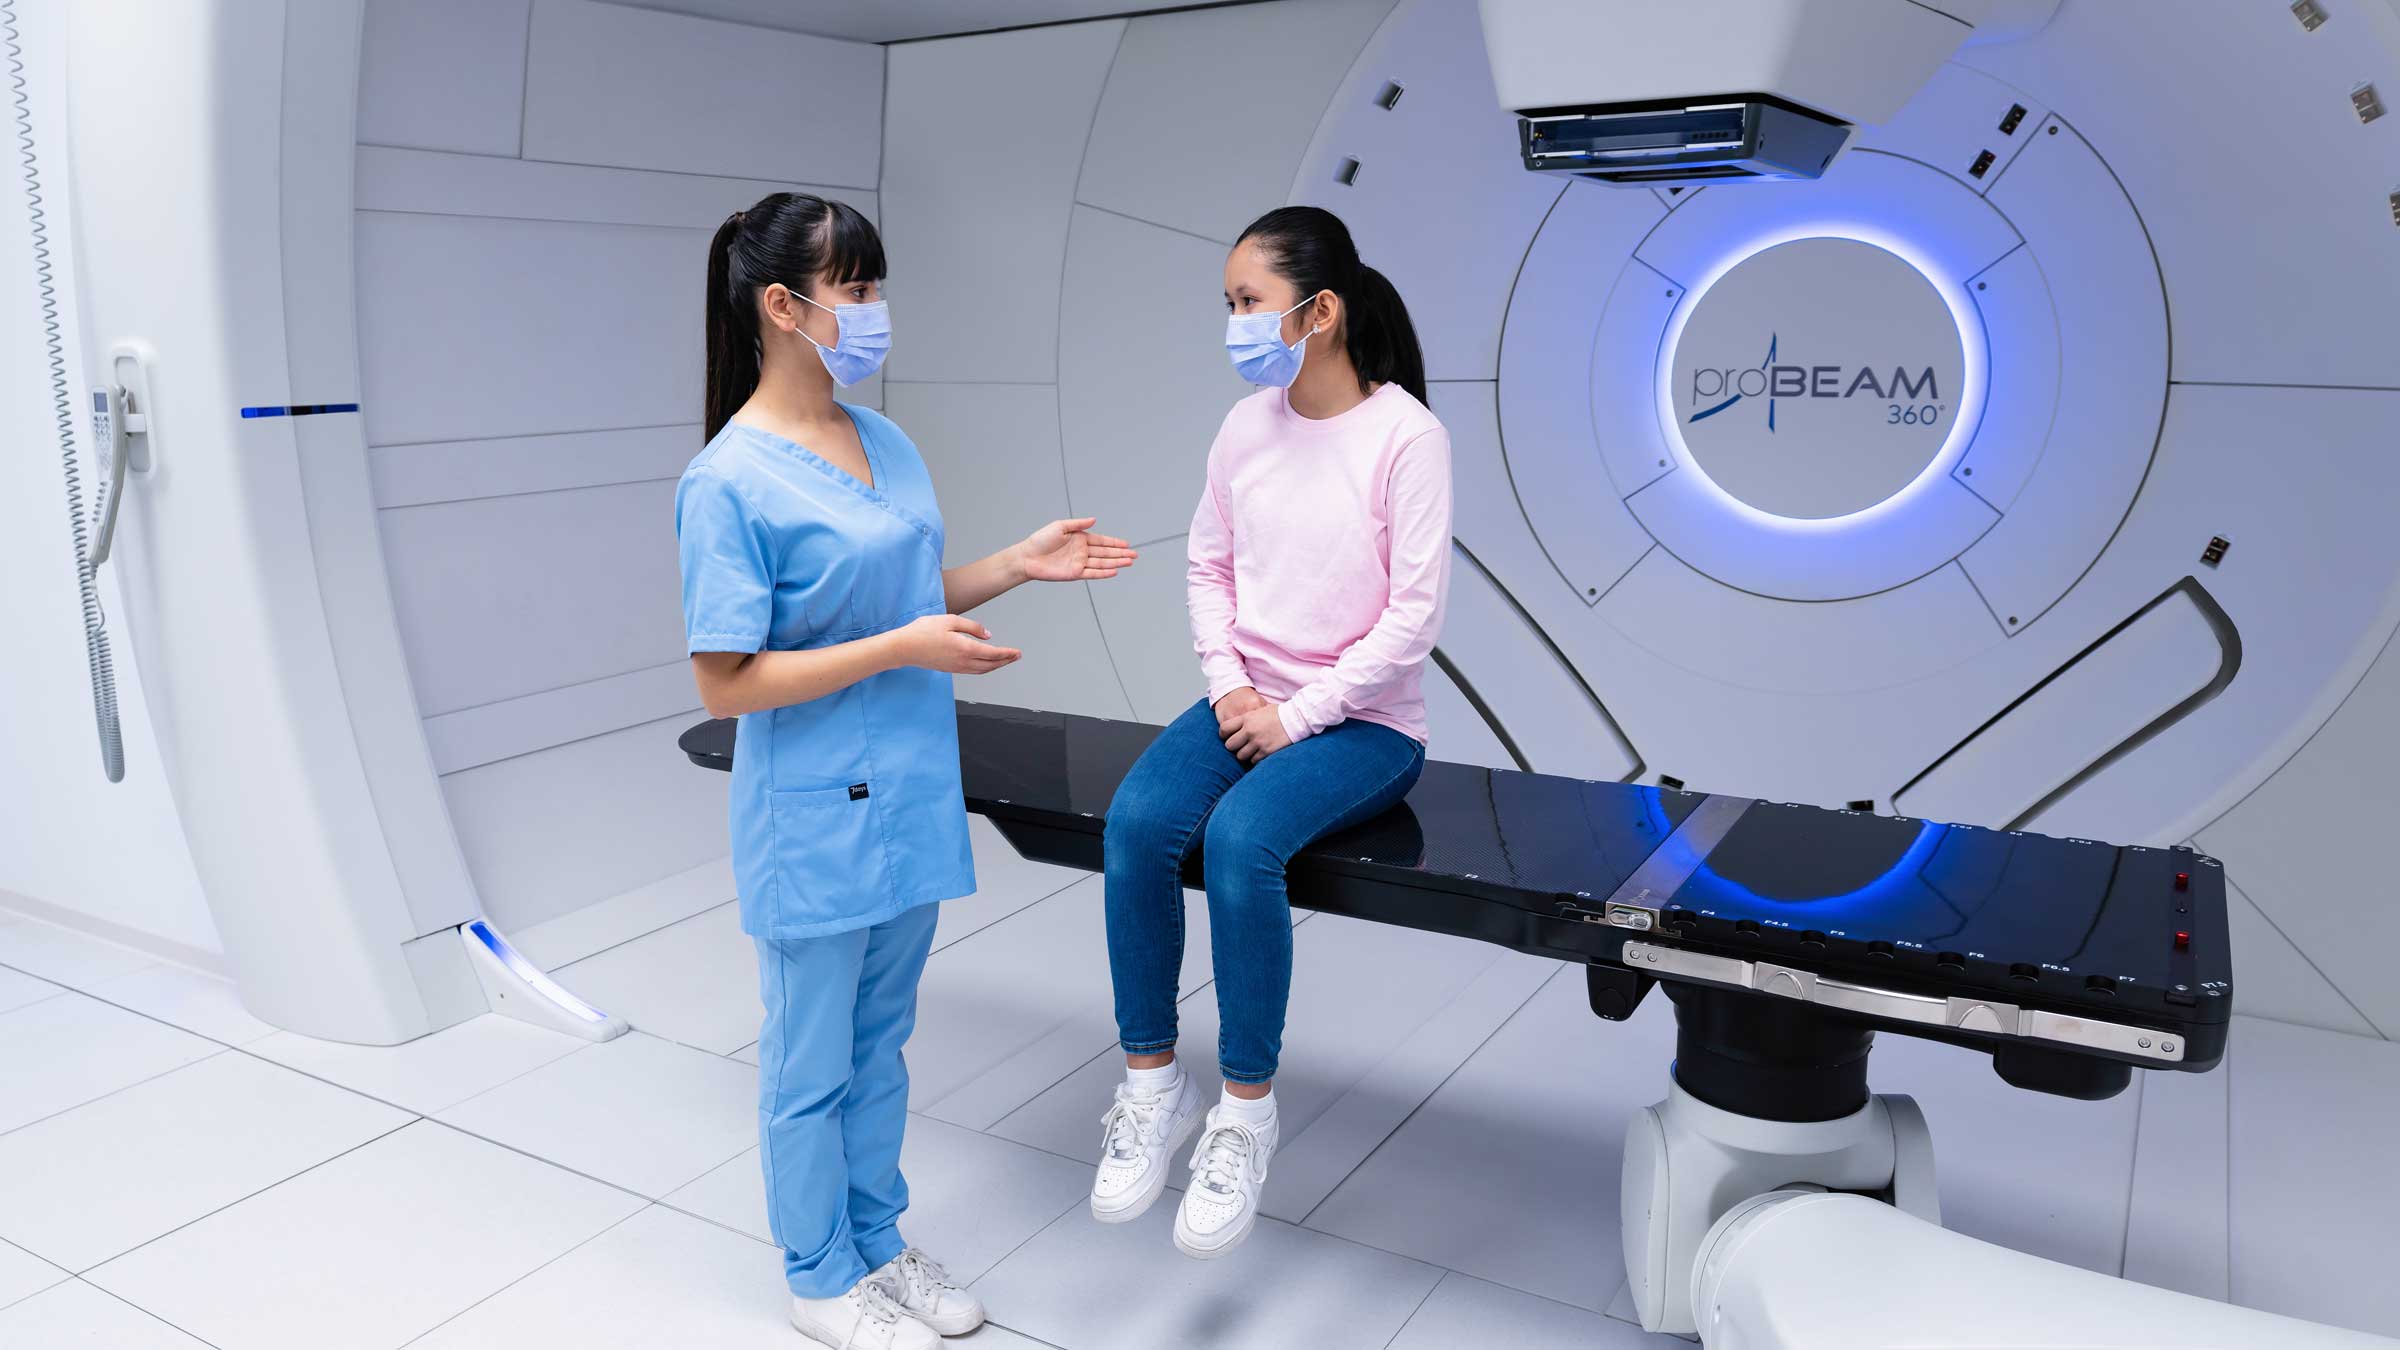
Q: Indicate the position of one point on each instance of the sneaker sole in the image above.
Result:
(957, 1325)
(1158, 1183)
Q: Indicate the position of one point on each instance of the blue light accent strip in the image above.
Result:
(298, 409)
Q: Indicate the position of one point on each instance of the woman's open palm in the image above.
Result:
(1067, 550)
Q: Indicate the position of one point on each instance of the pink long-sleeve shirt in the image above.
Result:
(1320, 559)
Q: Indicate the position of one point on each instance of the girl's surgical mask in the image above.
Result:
(866, 335)
(1255, 342)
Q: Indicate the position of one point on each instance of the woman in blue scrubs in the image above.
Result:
(818, 611)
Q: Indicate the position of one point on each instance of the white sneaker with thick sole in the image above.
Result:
(924, 1291)
(866, 1318)
(1229, 1168)
(1139, 1133)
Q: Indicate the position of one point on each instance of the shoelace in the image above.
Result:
(925, 1276)
(1222, 1158)
(877, 1303)
(1129, 1122)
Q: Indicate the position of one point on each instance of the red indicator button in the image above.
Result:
(2183, 881)
(2183, 940)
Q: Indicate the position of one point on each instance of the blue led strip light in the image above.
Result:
(299, 409)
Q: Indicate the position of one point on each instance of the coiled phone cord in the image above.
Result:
(95, 632)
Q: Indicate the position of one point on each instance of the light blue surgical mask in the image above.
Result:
(866, 335)
(1255, 342)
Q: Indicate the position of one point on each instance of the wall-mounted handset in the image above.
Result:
(62, 403)
(121, 426)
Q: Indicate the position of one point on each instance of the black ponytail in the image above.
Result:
(789, 237)
(1311, 248)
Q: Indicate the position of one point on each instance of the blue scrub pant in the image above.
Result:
(833, 1095)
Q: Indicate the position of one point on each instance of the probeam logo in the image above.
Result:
(1914, 399)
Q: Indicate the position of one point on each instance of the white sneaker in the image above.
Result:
(866, 1318)
(1140, 1131)
(1229, 1166)
(924, 1290)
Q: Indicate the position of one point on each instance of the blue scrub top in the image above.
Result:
(846, 810)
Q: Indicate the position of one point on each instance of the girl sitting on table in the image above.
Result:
(1319, 565)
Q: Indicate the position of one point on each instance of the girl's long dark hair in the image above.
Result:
(1311, 248)
(789, 237)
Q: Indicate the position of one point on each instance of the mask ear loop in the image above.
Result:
(837, 322)
(1312, 299)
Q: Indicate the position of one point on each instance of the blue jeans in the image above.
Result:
(1188, 789)
(833, 1095)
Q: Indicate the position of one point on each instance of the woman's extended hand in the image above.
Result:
(951, 643)
(1067, 550)
(1257, 733)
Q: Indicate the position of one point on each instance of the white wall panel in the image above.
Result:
(550, 832)
(1440, 202)
(1953, 120)
(2094, 705)
(1537, 699)
(1455, 731)
(470, 328)
(448, 471)
(432, 183)
(1144, 382)
(1485, 517)
(1067, 666)
(2274, 230)
(1207, 111)
(1149, 629)
(2311, 846)
(519, 726)
(624, 87)
(507, 596)
(443, 74)
(2022, 327)
(2272, 979)
(1844, 646)
(977, 240)
(2301, 481)
(2112, 330)
(1560, 470)
(993, 450)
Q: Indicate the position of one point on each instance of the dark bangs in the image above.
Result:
(851, 248)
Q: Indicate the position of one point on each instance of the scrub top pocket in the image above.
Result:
(828, 842)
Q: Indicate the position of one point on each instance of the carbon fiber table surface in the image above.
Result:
(2077, 928)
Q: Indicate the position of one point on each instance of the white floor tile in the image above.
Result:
(383, 1243)
(1464, 1311)
(637, 1112)
(694, 982)
(658, 1279)
(22, 1274)
(2313, 1189)
(1509, 1172)
(76, 1316)
(64, 956)
(972, 1198)
(2043, 1174)
(2175, 1231)
(202, 1004)
(17, 990)
(1378, 1017)
(594, 928)
(69, 1049)
(1005, 882)
(95, 1182)
(430, 1073)
(1006, 1013)
(1088, 1285)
